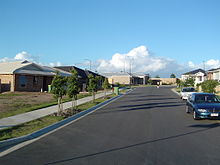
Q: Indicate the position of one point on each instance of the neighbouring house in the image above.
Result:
(25, 76)
(163, 81)
(213, 74)
(142, 78)
(127, 78)
(83, 75)
(199, 75)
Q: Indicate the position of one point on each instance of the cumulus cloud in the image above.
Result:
(140, 60)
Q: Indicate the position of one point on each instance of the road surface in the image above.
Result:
(149, 126)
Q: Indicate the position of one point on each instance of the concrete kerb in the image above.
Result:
(6, 144)
(173, 89)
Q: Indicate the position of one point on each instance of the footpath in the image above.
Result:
(36, 114)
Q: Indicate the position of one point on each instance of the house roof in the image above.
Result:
(117, 74)
(11, 67)
(194, 72)
(213, 70)
(81, 72)
(26, 67)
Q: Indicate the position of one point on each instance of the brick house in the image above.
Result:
(127, 78)
(83, 75)
(25, 76)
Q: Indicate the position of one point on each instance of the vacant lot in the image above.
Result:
(12, 102)
(20, 102)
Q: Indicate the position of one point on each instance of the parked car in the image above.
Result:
(203, 105)
(186, 92)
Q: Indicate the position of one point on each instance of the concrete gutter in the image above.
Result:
(6, 144)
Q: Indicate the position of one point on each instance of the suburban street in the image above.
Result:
(148, 126)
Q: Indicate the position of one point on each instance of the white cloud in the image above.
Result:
(140, 60)
(29, 57)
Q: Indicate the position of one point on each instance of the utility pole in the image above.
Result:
(90, 64)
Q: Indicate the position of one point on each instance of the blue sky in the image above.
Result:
(181, 33)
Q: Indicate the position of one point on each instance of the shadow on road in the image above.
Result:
(206, 128)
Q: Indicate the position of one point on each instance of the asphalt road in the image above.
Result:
(149, 126)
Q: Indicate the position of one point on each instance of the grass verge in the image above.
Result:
(38, 124)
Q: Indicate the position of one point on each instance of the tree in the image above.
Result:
(73, 87)
(189, 82)
(209, 86)
(92, 86)
(59, 89)
(172, 75)
(105, 85)
(157, 76)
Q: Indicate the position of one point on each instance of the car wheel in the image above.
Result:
(187, 109)
(195, 115)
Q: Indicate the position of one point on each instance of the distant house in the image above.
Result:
(25, 76)
(199, 75)
(127, 78)
(213, 74)
(163, 81)
(83, 75)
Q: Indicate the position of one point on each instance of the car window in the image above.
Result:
(188, 90)
(206, 99)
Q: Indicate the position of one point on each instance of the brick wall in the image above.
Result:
(33, 83)
(7, 82)
(121, 79)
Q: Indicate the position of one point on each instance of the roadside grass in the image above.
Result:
(43, 122)
(22, 107)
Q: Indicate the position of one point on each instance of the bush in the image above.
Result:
(209, 86)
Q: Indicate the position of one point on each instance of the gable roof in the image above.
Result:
(80, 72)
(15, 66)
(26, 67)
(194, 72)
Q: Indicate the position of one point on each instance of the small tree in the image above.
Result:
(157, 76)
(189, 82)
(105, 85)
(92, 86)
(73, 88)
(172, 75)
(209, 86)
(59, 89)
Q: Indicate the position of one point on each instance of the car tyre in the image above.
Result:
(187, 109)
(195, 116)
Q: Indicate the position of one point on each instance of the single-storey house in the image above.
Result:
(26, 76)
(213, 74)
(199, 75)
(127, 78)
(83, 75)
(163, 81)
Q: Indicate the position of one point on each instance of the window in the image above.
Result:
(35, 80)
(22, 81)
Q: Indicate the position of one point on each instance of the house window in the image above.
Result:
(35, 80)
(22, 81)
(200, 78)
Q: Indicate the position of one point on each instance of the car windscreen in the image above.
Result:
(206, 99)
(188, 90)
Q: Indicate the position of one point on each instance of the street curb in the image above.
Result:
(175, 91)
(6, 144)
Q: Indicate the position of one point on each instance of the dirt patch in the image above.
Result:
(12, 101)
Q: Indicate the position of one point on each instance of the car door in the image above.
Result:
(189, 103)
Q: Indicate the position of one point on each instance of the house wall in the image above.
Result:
(121, 79)
(209, 76)
(216, 75)
(31, 85)
(165, 80)
(7, 82)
